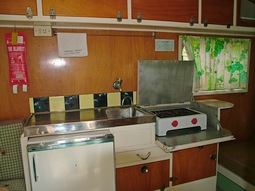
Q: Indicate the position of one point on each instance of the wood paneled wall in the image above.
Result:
(112, 54)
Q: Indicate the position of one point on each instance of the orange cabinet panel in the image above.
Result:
(144, 177)
(86, 8)
(166, 10)
(14, 7)
(218, 12)
(194, 164)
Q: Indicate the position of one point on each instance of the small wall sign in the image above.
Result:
(164, 45)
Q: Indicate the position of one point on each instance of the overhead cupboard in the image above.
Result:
(162, 15)
(81, 8)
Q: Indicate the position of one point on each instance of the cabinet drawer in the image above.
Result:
(133, 136)
(140, 156)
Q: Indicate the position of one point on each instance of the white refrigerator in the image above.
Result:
(80, 162)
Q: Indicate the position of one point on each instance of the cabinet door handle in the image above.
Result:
(206, 22)
(213, 156)
(52, 13)
(191, 21)
(163, 187)
(29, 13)
(139, 17)
(144, 169)
(144, 157)
(34, 169)
(119, 16)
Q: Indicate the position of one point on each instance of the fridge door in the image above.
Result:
(79, 167)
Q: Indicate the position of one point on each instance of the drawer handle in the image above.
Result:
(144, 157)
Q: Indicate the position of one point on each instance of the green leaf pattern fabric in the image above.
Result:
(221, 63)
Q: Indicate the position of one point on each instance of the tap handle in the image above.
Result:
(117, 84)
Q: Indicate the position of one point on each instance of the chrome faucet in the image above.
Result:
(127, 97)
(132, 109)
(117, 84)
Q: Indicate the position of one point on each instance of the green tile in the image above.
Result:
(225, 184)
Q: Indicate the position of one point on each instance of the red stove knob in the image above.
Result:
(174, 123)
(194, 121)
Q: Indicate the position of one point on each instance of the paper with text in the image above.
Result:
(72, 44)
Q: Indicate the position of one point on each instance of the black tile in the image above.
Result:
(41, 104)
(127, 101)
(72, 102)
(100, 100)
(72, 116)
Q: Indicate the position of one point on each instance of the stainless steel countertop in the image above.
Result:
(51, 123)
(197, 138)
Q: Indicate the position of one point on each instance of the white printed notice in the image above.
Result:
(72, 44)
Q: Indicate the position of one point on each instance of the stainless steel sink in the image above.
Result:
(40, 124)
(126, 112)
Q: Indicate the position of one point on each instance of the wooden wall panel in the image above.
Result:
(112, 54)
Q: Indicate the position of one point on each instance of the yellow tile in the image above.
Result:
(113, 99)
(60, 116)
(31, 105)
(134, 97)
(86, 101)
(86, 115)
(57, 103)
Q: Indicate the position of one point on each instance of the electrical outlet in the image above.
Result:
(42, 31)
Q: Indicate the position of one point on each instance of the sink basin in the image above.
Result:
(40, 124)
(126, 112)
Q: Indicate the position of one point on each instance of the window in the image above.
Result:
(221, 64)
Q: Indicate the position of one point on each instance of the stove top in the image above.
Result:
(174, 112)
(177, 119)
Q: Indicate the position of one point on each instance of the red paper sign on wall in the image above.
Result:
(16, 49)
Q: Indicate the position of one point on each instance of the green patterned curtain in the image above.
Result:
(221, 63)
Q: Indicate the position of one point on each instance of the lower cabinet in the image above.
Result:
(194, 164)
(143, 177)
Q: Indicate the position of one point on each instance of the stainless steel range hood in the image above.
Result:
(164, 82)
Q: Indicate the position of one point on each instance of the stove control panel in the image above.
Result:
(184, 119)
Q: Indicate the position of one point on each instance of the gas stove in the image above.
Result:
(178, 118)
(165, 89)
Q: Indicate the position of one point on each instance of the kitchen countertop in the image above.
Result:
(197, 138)
(50, 123)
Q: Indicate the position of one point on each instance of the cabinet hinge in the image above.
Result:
(173, 179)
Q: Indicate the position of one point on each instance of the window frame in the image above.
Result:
(214, 92)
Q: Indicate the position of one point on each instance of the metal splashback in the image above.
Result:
(165, 81)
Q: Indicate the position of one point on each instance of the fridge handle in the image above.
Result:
(34, 169)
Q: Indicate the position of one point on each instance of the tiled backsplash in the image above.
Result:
(72, 102)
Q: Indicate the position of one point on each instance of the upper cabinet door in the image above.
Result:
(245, 22)
(14, 7)
(86, 8)
(218, 12)
(166, 10)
